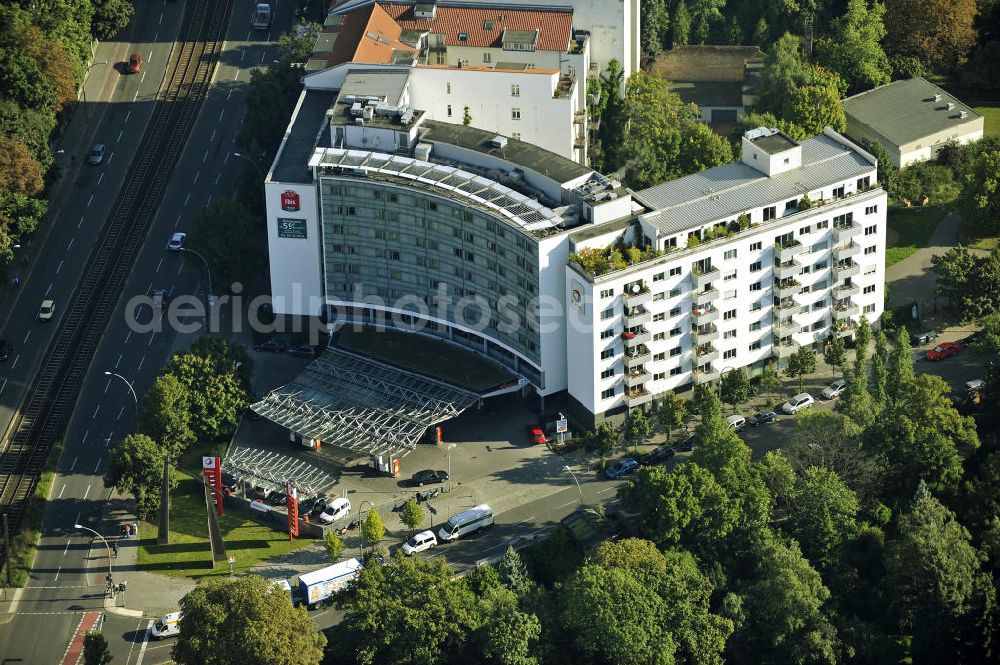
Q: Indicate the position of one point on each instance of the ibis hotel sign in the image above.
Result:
(290, 201)
(291, 228)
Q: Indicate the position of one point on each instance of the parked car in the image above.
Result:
(335, 510)
(4, 349)
(925, 338)
(687, 445)
(425, 540)
(797, 403)
(176, 242)
(736, 422)
(304, 351)
(259, 492)
(428, 477)
(277, 498)
(834, 389)
(47, 310)
(272, 345)
(536, 435)
(134, 64)
(762, 418)
(621, 468)
(658, 455)
(319, 505)
(96, 154)
(973, 338)
(942, 351)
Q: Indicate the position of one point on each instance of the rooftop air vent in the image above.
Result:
(963, 114)
(951, 105)
(499, 141)
(937, 98)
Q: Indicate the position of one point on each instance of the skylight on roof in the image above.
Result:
(463, 36)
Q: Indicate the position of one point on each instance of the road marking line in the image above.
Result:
(235, 76)
(70, 245)
(160, 22)
(3, 386)
(226, 160)
(26, 337)
(98, 465)
(149, 288)
(120, 136)
(59, 267)
(177, 221)
(145, 641)
(196, 176)
(84, 439)
(151, 338)
(120, 411)
(68, 541)
(100, 178)
(248, 36)
(107, 386)
(90, 200)
(93, 417)
(112, 156)
(150, 57)
(262, 54)
(135, 96)
(56, 578)
(158, 265)
(128, 115)
(180, 268)
(209, 199)
(63, 489)
(143, 77)
(48, 289)
(568, 504)
(229, 94)
(524, 520)
(118, 361)
(606, 489)
(87, 492)
(187, 198)
(16, 358)
(212, 140)
(128, 336)
(221, 113)
(204, 158)
(156, 38)
(80, 223)
(141, 360)
(217, 177)
(243, 54)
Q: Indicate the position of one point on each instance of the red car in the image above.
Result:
(134, 65)
(536, 434)
(943, 350)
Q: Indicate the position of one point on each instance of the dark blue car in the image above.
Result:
(763, 417)
(620, 468)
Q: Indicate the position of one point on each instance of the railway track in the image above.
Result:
(55, 389)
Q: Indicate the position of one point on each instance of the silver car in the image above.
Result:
(96, 154)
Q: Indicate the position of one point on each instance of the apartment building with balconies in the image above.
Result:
(752, 260)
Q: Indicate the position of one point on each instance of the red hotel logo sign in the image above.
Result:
(290, 201)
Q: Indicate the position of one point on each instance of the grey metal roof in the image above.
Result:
(905, 111)
(390, 84)
(726, 191)
(362, 405)
(292, 163)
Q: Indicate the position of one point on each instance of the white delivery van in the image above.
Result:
(465, 522)
(168, 626)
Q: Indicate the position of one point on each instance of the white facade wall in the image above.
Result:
(532, 115)
(296, 264)
(613, 27)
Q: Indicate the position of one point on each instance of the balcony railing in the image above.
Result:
(705, 314)
(786, 304)
(637, 316)
(847, 290)
(704, 376)
(844, 328)
(706, 354)
(636, 376)
(704, 298)
(787, 270)
(635, 338)
(706, 278)
(846, 270)
(638, 396)
(842, 252)
(705, 333)
(843, 233)
(636, 356)
(787, 289)
(841, 312)
(785, 350)
(790, 251)
(635, 297)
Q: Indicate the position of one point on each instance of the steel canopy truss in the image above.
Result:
(362, 405)
(264, 468)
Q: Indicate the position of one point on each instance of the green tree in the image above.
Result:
(95, 649)
(233, 241)
(216, 375)
(701, 148)
(939, 33)
(736, 387)
(854, 49)
(899, 369)
(835, 353)
(779, 477)
(655, 26)
(935, 576)
(824, 514)
(372, 528)
(770, 380)
(637, 428)
(110, 16)
(513, 573)
(761, 33)
(166, 414)
(245, 620)
(333, 545)
(682, 25)
(880, 373)
(814, 107)
(671, 412)
(412, 514)
(510, 634)
(956, 272)
(604, 439)
(704, 14)
(862, 340)
(803, 362)
(784, 611)
(136, 466)
(19, 172)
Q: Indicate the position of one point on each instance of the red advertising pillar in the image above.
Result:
(292, 493)
(211, 467)
(395, 468)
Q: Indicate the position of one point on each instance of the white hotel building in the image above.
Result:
(376, 210)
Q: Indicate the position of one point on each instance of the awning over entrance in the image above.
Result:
(362, 405)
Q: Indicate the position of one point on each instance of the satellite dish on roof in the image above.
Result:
(636, 288)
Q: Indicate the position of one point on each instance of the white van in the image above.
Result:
(168, 626)
(465, 522)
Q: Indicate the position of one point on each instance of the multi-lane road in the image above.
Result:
(67, 579)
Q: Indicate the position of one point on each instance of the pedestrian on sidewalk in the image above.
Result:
(114, 550)
(125, 530)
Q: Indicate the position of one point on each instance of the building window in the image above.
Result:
(608, 373)
(731, 314)
(818, 247)
(487, 57)
(674, 352)
(729, 276)
(870, 250)
(515, 90)
(755, 306)
(871, 230)
(610, 332)
(447, 88)
(729, 295)
(804, 230)
(607, 353)
(838, 193)
(607, 293)
(754, 247)
(675, 311)
(675, 371)
(660, 317)
(675, 292)
(871, 210)
(755, 286)
(730, 254)
(515, 113)
(516, 136)
(755, 346)
(449, 110)
(675, 332)
(825, 224)
(607, 314)
(870, 270)
(869, 308)
(659, 277)
(870, 289)
(659, 336)
(755, 266)
(675, 271)
(755, 326)
(729, 334)
(608, 394)
(660, 356)
(819, 325)
(659, 296)
(731, 353)
(819, 266)
(769, 213)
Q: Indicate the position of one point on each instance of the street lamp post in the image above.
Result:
(252, 161)
(84, 86)
(450, 446)
(131, 389)
(578, 488)
(86, 528)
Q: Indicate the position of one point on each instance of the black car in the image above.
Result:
(319, 505)
(229, 483)
(429, 476)
(658, 455)
(272, 345)
(687, 444)
(4, 349)
(277, 498)
(762, 417)
(304, 351)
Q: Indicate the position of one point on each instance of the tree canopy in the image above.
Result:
(938, 33)
(135, 465)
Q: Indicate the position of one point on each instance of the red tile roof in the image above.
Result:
(356, 37)
(555, 27)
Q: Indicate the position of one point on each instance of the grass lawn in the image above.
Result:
(188, 553)
(991, 116)
(425, 355)
(910, 230)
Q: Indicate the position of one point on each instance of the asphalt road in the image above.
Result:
(68, 574)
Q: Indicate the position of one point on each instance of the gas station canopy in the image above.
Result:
(362, 405)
